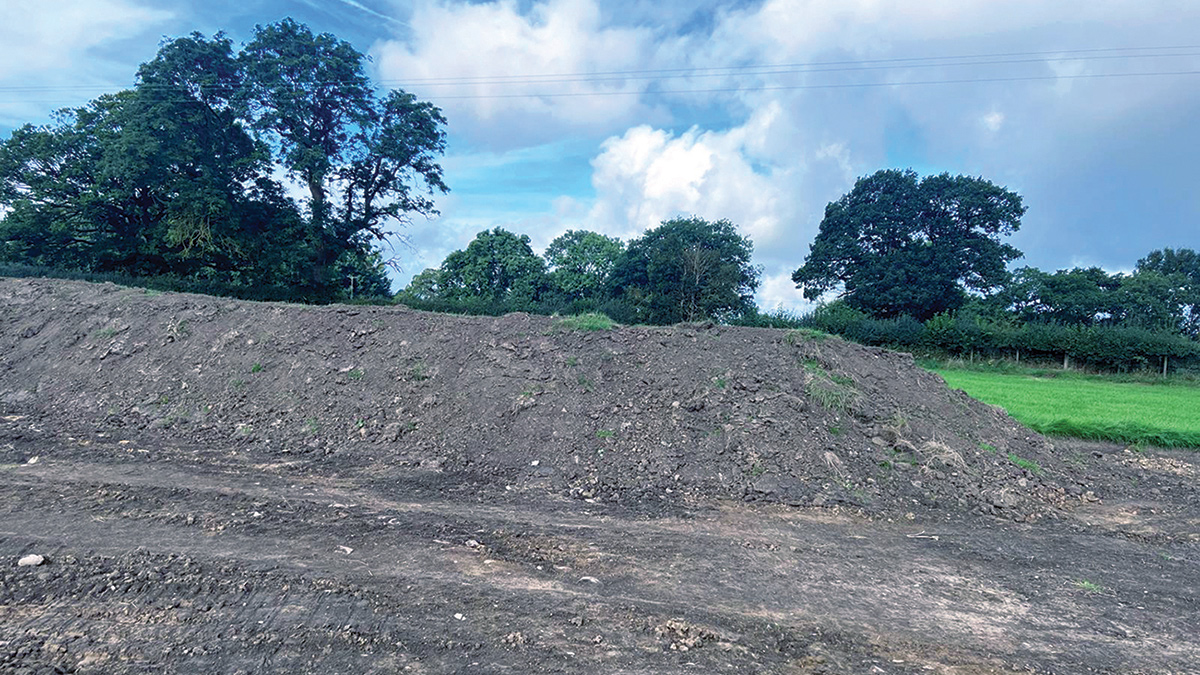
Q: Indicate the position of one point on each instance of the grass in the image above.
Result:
(605, 434)
(1089, 586)
(1026, 464)
(1162, 415)
(356, 374)
(256, 368)
(586, 322)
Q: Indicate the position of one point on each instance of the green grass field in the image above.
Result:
(1163, 415)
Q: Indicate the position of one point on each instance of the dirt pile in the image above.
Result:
(637, 415)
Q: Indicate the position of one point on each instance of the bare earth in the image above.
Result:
(222, 486)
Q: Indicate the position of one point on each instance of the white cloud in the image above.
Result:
(649, 175)
(53, 34)
(778, 291)
(46, 49)
(503, 59)
(993, 121)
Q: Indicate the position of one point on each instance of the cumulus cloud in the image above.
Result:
(491, 65)
(649, 175)
(44, 45)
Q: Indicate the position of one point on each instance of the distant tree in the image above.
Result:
(423, 287)
(497, 266)
(580, 262)
(1077, 297)
(899, 245)
(687, 269)
(1182, 268)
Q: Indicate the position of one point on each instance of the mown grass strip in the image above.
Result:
(1160, 415)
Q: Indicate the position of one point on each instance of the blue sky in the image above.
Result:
(612, 116)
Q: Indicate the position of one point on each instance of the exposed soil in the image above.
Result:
(224, 486)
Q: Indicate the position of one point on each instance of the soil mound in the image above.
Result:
(638, 415)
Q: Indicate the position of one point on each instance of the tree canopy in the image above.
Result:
(581, 261)
(497, 266)
(687, 269)
(900, 245)
(176, 175)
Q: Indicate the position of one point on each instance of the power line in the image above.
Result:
(1003, 58)
(725, 90)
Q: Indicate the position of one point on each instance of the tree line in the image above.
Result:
(275, 170)
(686, 269)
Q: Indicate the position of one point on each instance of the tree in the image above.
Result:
(687, 269)
(1182, 268)
(496, 267)
(581, 261)
(176, 175)
(364, 160)
(897, 245)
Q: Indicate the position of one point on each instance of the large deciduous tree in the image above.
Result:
(363, 159)
(687, 269)
(177, 175)
(900, 245)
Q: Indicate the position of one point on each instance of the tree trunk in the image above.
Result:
(1164, 365)
(1066, 361)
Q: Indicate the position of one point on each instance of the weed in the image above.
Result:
(898, 420)
(106, 333)
(360, 423)
(311, 426)
(418, 372)
(244, 429)
(356, 374)
(841, 379)
(572, 361)
(585, 383)
(885, 465)
(830, 395)
(1027, 464)
(792, 337)
(164, 399)
(605, 434)
(1089, 586)
(757, 470)
(835, 431)
(719, 382)
(237, 383)
(177, 330)
(586, 322)
(987, 446)
(256, 368)
(151, 292)
(410, 427)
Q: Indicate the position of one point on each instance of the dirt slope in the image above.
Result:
(637, 415)
(196, 485)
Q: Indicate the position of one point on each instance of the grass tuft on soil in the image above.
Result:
(1161, 415)
(586, 322)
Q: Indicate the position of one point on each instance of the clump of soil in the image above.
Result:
(637, 415)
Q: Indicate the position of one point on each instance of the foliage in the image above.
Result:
(587, 322)
(497, 266)
(580, 263)
(175, 177)
(686, 269)
(897, 245)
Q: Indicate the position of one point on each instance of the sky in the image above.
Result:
(615, 115)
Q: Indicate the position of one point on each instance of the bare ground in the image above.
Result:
(393, 491)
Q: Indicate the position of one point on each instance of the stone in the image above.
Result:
(31, 560)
